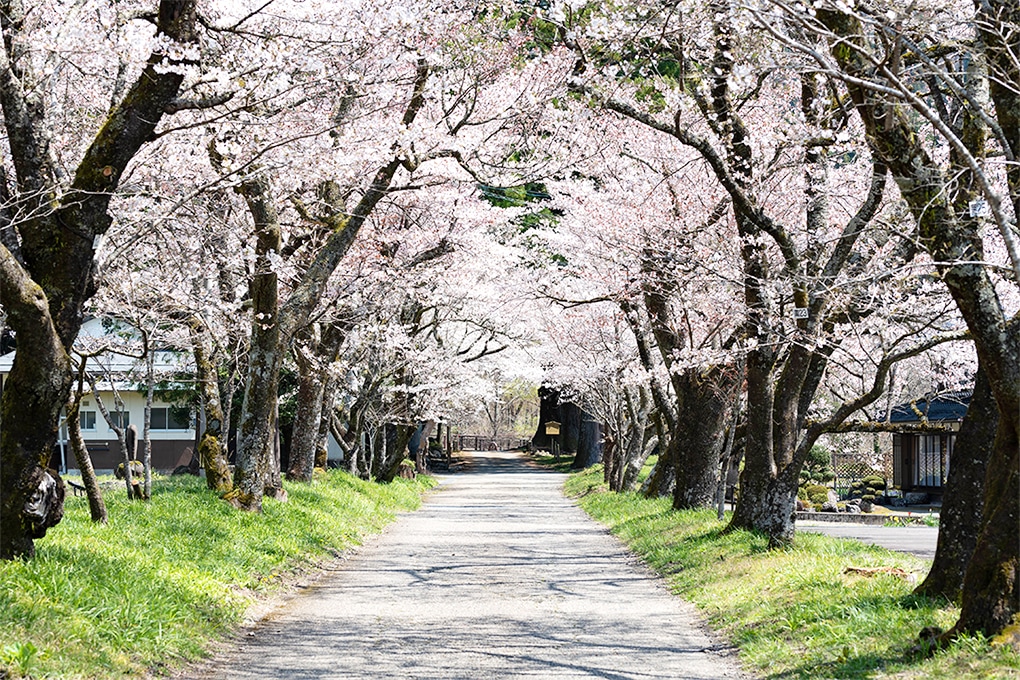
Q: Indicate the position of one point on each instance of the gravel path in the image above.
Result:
(497, 576)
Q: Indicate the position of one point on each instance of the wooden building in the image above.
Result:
(921, 460)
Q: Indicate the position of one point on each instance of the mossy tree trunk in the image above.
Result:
(46, 282)
(705, 398)
(702, 395)
(257, 433)
(387, 465)
(34, 392)
(212, 454)
(309, 412)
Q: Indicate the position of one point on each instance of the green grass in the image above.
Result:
(558, 463)
(793, 613)
(163, 578)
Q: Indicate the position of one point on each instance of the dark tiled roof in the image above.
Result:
(951, 406)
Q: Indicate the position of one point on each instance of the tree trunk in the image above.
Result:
(642, 448)
(97, 508)
(212, 455)
(763, 505)
(990, 598)
(589, 442)
(662, 479)
(610, 461)
(704, 405)
(963, 498)
(991, 592)
(727, 462)
(128, 440)
(310, 432)
(396, 437)
(376, 449)
(275, 325)
(767, 505)
(274, 480)
(257, 434)
(701, 394)
(418, 444)
(34, 392)
(309, 416)
(632, 449)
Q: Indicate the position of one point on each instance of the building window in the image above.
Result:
(929, 469)
(120, 419)
(169, 418)
(87, 420)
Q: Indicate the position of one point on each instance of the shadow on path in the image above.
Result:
(498, 575)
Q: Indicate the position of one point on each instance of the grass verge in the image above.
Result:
(152, 588)
(558, 463)
(796, 612)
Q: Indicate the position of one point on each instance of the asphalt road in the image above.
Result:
(497, 576)
(920, 541)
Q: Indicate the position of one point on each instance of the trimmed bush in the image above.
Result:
(875, 482)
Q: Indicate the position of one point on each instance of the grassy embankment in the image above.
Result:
(794, 613)
(164, 578)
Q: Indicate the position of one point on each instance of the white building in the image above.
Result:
(172, 426)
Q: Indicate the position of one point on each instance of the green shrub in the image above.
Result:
(874, 482)
(817, 494)
(818, 467)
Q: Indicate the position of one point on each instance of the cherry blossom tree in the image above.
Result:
(53, 217)
(729, 103)
(903, 72)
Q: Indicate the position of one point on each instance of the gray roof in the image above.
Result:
(949, 407)
(95, 333)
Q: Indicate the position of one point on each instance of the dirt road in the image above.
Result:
(497, 576)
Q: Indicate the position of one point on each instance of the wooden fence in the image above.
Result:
(482, 442)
